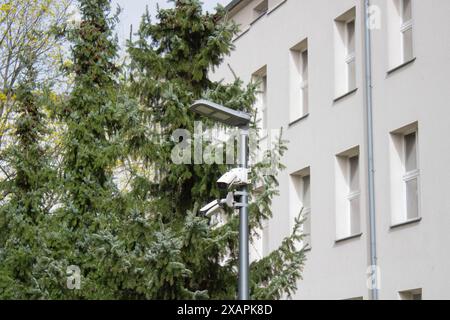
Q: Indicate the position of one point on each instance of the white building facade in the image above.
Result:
(309, 56)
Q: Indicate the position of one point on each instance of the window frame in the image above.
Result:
(264, 111)
(411, 294)
(304, 83)
(298, 204)
(406, 26)
(299, 106)
(353, 194)
(261, 100)
(350, 56)
(411, 175)
(400, 177)
(348, 222)
(345, 53)
(260, 9)
(306, 212)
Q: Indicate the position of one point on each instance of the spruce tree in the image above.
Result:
(25, 193)
(145, 239)
(186, 257)
(94, 116)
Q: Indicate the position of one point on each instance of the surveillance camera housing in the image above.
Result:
(233, 178)
(211, 208)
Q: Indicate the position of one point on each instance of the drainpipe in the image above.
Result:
(370, 151)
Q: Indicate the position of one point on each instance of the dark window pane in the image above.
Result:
(411, 152)
(412, 199)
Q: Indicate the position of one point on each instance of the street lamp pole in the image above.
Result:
(241, 120)
(244, 291)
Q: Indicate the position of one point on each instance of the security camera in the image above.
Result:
(233, 178)
(230, 201)
(214, 206)
(211, 208)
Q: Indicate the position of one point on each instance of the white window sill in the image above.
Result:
(356, 236)
(262, 14)
(341, 97)
(406, 223)
(276, 7)
(292, 123)
(401, 66)
(266, 13)
(242, 32)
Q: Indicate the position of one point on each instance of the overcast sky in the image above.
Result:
(132, 11)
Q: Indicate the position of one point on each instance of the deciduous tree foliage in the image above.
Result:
(27, 27)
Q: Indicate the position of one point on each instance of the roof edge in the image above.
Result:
(232, 4)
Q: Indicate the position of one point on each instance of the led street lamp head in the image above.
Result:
(220, 113)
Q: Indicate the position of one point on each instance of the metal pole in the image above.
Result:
(370, 152)
(243, 224)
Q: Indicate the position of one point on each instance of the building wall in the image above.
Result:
(416, 256)
(410, 257)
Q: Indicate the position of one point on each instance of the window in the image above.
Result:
(406, 30)
(400, 32)
(260, 77)
(299, 82)
(348, 195)
(306, 199)
(345, 52)
(304, 85)
(405, 175)
(300, 201)
(411, 294)
(350, 58)
(411, 176)
(354, 194)
(261, 9)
